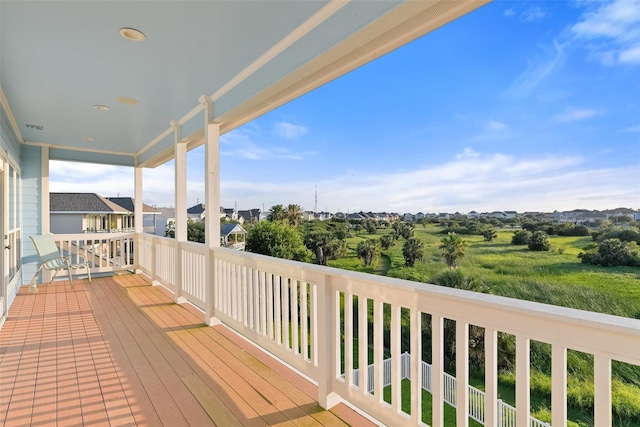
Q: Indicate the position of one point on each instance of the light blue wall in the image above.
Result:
(31, 208)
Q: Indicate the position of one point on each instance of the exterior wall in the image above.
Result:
(66, 223)
(31, 208)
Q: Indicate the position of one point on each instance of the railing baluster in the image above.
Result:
(558, 384)
(490, 377)
(415, 365)
(396, 359)
(295, 331)
(285, 312)
(523, 400)
(602, 389)
(277, 301)
(378, 348)
(348, 338)
(304, 336)
(270, 284)
(437, 358)
(363, 345)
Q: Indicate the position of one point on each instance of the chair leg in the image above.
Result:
(70, 276)
(55, 273)
(33, 288)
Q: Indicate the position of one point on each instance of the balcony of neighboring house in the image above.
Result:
(172, 332)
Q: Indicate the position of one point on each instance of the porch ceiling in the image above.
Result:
(61, 58)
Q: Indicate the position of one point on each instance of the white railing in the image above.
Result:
(103, 252)
(476, 396)
(304, 314)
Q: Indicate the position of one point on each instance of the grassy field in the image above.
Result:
(555, 277)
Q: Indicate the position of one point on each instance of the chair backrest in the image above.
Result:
(46, 247)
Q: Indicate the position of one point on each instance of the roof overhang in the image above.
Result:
(60, 58)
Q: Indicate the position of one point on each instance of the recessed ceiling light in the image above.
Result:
(101, 107)
(132, 34)
(88, 139)
(127, 100)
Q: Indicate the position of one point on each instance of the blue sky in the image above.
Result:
(527, 106)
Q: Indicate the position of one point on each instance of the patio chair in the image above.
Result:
(50, 259)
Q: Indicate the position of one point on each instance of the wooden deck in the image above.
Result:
(119, 352)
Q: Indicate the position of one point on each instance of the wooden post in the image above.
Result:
(180, 149)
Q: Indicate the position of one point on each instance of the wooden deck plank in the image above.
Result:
(118, 351)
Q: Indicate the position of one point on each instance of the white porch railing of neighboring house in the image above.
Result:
(104, 252)
(146, 229)
(304, 315)
(506, 412)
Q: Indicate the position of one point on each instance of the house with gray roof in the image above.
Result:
(72, 213)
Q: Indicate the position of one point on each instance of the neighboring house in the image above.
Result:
(498, 215)
(473, 215)
(233, 236)
(250, 216)
(232, 215)
(196, 212)
(408, 217)
(166, 216)
(308, 216)
(72, 213)
(511, 214)
(149, 213)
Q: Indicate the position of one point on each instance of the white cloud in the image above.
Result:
(289, 130)
(467, 153)
(538, 69)
(495, 125)
(475, 182)
(611, 31)
(631, 55)
(240, 143)
(533, 13)
(577, 114)
(471, 181)
(509, 12)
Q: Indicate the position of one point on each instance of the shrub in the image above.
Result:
(455, 278)
(521, 237)
(611, 253)
(539, 241)
(622, 234)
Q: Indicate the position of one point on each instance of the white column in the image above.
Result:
(138, 216)
(138, 209)
(44, 201)
(211, 203)
(523, 397)
(45, 190)
(181, 204)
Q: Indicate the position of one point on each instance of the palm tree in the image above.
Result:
(452, 249)
(367, 250)
(277, 213)
(294, 214)
(412, 250)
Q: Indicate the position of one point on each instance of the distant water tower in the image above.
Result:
(315, 207)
